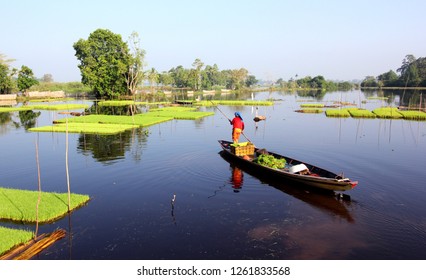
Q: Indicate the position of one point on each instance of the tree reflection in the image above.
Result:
(28, 118)
(109, 148)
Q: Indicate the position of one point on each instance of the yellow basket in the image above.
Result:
(242, 149)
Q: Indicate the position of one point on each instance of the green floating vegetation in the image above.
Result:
(139, 119)
(180, 115)
(312, 105)
(15, 109)
(20, 205)
(413, 115)
(13, 237)
(55, 107)
(128, 102)
(377, 98)
(87, 128)
(361, 113)
(337, 113)
(310, 110)
(234, 102)
(44, 107)
(174, 109)
(387, 113)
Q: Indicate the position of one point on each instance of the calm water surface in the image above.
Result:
(222, 212)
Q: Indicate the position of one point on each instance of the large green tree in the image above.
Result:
(104, 63)
(26, 79)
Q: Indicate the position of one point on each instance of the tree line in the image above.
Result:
(412, 73)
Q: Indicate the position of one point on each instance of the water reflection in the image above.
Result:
(329, 203)
(110, 148)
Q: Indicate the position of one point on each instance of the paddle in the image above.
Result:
(231, 121)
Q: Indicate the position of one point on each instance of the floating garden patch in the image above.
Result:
(180, 115)
(387, 113)
(312, 105)
(55, 107)
(15, 109)
(87, 128)
(128, 102)
(361, 113)
(413, 115)
(337, 113)
(310, 110)
(234, 102)
(20, 205)
(139, 119)
(13, 237)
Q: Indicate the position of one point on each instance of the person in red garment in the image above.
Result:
(237, 127)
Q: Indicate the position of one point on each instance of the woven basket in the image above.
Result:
(243, 150)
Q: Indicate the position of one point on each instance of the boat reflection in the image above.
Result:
(326, 201)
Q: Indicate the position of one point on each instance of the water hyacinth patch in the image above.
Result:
(312, 105)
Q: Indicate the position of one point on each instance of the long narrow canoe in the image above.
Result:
(295, 171)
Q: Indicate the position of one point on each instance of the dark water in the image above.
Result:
(221, 212)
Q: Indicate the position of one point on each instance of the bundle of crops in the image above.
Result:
(270, 161)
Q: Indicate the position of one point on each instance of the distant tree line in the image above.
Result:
(315, 83)
(412, 73)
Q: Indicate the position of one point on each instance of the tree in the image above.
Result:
(47, 78)
(369, 81)
(104, 63)
(135, 75)
(25, 79)
(6, 82)
(197, 64)
(251, 80)
(389, 78)
(152, 76)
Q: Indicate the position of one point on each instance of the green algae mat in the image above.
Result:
(20, 205)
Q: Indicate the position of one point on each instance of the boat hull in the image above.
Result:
(318, 178)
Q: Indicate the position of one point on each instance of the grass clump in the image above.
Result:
(337, 113)
(13, 237)
(387, 113)
(20, 205)
(361, 113)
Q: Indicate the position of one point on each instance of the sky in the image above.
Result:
(272, 39)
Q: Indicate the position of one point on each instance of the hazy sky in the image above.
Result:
(341, 40)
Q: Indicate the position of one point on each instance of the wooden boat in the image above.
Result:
(295, 171)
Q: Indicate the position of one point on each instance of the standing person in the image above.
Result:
(237, 127)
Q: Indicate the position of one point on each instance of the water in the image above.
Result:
(132, 177)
